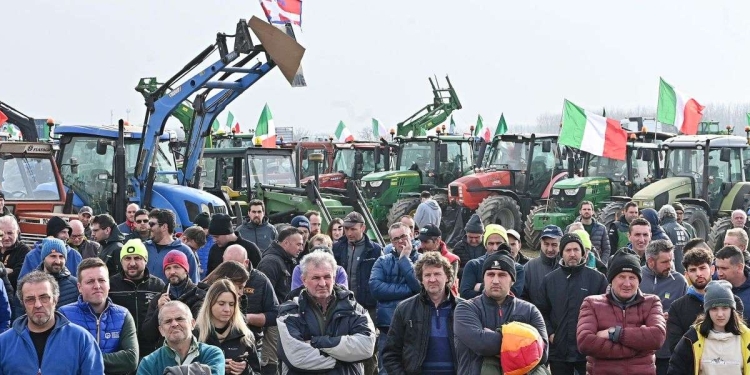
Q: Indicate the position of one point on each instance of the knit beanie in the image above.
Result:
(718, 293)
(54, 245)
(202, 220)
(624, 261)
(571, 237)
(301, 222)
(585, 239)
(134, 247)
(55, 225)
(494, 229)
(176, 257)
(474, 225)
(500, 261)
(221, 224)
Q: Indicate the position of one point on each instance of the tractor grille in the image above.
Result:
(31, 239)
(369, 192)
(569, 201)
(218, 210)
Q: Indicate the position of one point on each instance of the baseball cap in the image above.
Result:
(428, 231)
(86, 210)
(512, 232)
(352, 219)
(551, 231)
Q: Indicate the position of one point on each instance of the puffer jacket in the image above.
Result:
(157, 253)
(337, 348)
(465, 253)
(278, 266)
(33, 259)
(136, 296)
(74, 350)
(233, 347)
(643, 331)
(372, 252)
(534, 272)
(688, 353)
(475, 324)
(110, 251)
(679, 237)
(392, 281)
(599, 238)
(618, 234)
(262, 234)
(68, 286)
(563, 291)
(409, 334)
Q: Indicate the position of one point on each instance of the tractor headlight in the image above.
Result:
(572, 191)
(363, 183)
(647, 204)
(376, 183)
(555, 191)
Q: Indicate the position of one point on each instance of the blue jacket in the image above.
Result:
(34, 258)
(124, 228)
(209, 355)
(743, 291)
(69, 350)
(68, 286)
(372, 252)
(473, 275)
(392, 281)
(106, 328)
(4, 308)
(156, 259)
(203, 256)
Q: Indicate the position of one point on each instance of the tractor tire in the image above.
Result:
(699, 219)
(530, 235)
(718, 231)
(610, 213)
(503, 210)
(404, 206)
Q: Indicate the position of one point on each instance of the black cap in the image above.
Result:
(221, 224)
(352, 219)
(429, 230)
(500, 261)
(624, 261)
(56, 225)
(202, 220)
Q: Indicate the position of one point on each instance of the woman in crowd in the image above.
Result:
(336, 229)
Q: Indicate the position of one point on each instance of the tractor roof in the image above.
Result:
(432, 138)
(357, 144)
(242, 151)
(103, 131)
(526, 137)
(692, 141)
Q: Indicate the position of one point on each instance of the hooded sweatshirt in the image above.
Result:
(657, 233)
(428, 212)
(668, 289)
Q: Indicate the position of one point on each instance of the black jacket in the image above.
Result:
(233, 347)
(136, 297)
(278, 265)
(682, 315)
(562, 294)
(259, 298)
(522, 259)
(110, 251)
(679, 237)
(406, 346)
(192, 296)
(13, 259)
(88, 249)
(216, 253)
(466, 253)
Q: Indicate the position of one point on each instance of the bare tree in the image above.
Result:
(364, 134)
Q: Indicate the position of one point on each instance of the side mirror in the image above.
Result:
(443, 152)
(726, 155)
(101, 147)
(546, 146)
(74, 165)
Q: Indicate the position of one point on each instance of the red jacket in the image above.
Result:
(643, 333)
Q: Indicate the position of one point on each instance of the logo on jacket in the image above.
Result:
(249, 290)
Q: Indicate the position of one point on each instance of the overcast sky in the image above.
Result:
(77, 61)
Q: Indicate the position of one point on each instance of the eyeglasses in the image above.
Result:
(142, 221)
(31, 301)
(151, 224)
(402, 237)
(72, 236)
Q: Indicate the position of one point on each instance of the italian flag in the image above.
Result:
(678, 109)
(265, 131)
(592, 133)
(481, 131)
(378, 130)
(3, 118)
(343, 134)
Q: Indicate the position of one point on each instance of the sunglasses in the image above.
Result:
(142, 221)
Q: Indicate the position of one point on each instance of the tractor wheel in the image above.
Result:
(531, 235)
(698, 218)
(503, 210)
(718, 230)
(610, 213)
(404, 206)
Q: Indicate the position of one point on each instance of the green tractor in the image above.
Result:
(706, 173)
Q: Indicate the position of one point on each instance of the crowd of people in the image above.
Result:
(644, 296)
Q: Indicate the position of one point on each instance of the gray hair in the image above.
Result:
(667, 211)
(656, 247)
(178, 304)
(10, 220)
(740, 211)
(317, 259)
(738, 233)
(36, 277)
(398, 225)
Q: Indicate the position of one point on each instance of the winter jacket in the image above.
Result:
(409, 334)
(474, 342)
(126, 227)
(5, 308)
(562, 293)
(643, 331)
(720, 240)
(373, 251)
(657, 232)
(13, 259)
(347, 337)
(689, 228)
(278, 266)
(679, 237)
(599, 238)
(618, 234)
(743, 291)
(465, 253)
(156, 362)
(534, 272)
(262, 235)
(341, 277)
(191, 369)
(135, 296)
(688, 353)
(203, 256)
(88, 249)
(684, 311)
(110, 251)
(233, 347)
(68, 286)
(33, 259)
(216, 254)
(522, 259)
(668, 289)
(258, 297)
(69, 350)
(392, 281)
(428, 212)
(114, 331)
(473, 275)
(157, 253)
(192, 296)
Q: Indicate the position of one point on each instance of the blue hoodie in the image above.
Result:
(34, 258)
(156, 257)
(743, 291)
(657, 232)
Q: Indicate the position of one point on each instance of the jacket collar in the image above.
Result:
(569, 270)
(21, 324)
(636, 299)
(426, 298)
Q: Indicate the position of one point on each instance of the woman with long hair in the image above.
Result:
(336, 229)
(718, 342)
(231, 270)
(220, 323)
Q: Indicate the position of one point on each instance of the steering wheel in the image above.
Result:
(17, 194)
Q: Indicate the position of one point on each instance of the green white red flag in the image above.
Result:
(378, 130)
(3, 118)
(343, 134)
(265, 131)
(592, 133)
(678, 109)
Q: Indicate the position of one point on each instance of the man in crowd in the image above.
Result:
(514, 242)
(357, 254)
(428, 347)
(84, 215)
(597, 232)
(495, 240)
(163, 242)
(730, 266)
(737, 237)
(108, 235)
(81, 243)
(256, 228)
(679, 210)
(176, 324)
(128, 226)
(59, 347)
(470, 247)
(546, 262)
(56, 228)
(54, 252)
(620, 229)
(306, 342)
(739, 220)
(141, 230)
(134, 288)
(476, 321)
(428, 211)
(640, 236)
(430, 239)
(13, 250)
(661, 280)
(634, 324)
(111, 324)
(563, 291)
(315, 222)
(303, 224)
(221, 230)
(677, 234)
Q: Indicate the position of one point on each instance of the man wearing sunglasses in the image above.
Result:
(162, 223)
(141, 230)
(105, 231)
